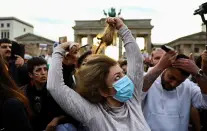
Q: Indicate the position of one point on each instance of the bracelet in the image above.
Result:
(200, 73)
(58, 53)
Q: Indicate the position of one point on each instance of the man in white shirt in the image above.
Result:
(168, 98)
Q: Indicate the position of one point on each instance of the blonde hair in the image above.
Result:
(91, 77)
(108, 35)
(107, 38)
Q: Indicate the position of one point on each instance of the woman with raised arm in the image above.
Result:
(105, 99)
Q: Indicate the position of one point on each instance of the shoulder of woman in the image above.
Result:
(12, 104)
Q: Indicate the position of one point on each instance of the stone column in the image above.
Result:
(176, 47)
(90, 40)
(148, 44)
(192, 48)
(135, 36)
(182, 49)
(120, 47)
(77, 38)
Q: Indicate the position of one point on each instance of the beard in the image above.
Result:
(165, 84)
(7, 55)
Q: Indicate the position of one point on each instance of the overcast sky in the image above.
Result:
(53, 18)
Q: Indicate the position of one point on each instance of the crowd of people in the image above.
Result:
(93, 92)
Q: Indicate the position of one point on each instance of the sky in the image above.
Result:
(54, 18)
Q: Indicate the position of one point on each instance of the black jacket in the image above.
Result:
(43, 106)
(19, 74)
(68, 71)
(13, 116)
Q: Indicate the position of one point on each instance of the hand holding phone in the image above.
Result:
(63, 39)
(166, 48)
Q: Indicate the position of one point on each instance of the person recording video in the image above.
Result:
(12, 54)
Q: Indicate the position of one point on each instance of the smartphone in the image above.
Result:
(62, 39)
(206, 47)
(166, 48)
(84, 48)
(17, 49)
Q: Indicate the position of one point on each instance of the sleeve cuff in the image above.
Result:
(60, 50)
(144, 94)
(205, 97)
(122, 29)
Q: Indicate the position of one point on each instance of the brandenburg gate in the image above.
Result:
(91, 28)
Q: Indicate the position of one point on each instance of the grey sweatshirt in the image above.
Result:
(102, 117)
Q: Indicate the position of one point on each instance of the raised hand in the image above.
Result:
(117, 22)
(68, 45)
(204, 61)
(52, 125)
(187, 65)
(204, 56)
(19, 61)
(72, 53)
(167, 60)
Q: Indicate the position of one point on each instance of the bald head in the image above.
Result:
(156, 54)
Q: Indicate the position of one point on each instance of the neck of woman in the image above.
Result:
(113, 102)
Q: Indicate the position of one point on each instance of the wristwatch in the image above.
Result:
(200, 73)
